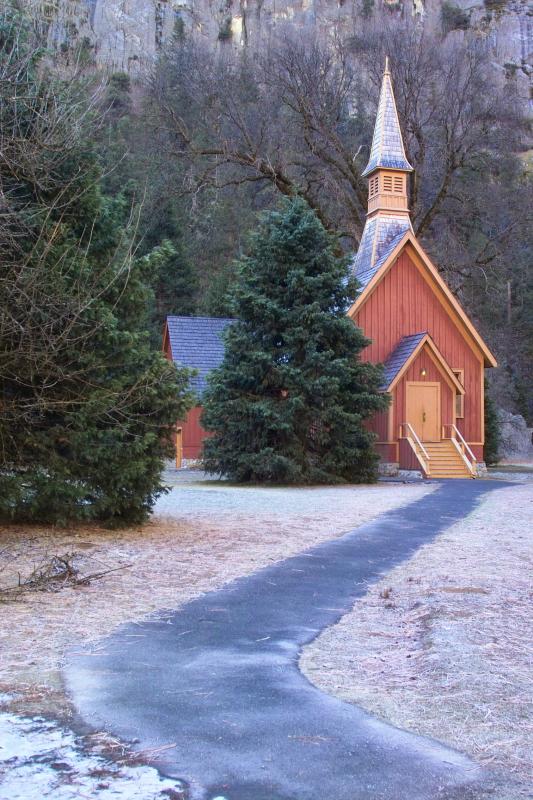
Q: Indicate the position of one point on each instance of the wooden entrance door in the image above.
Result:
(423, 409)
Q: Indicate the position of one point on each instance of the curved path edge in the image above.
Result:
(219, 679)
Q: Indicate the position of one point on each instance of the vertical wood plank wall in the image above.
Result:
(193, 434)
(379, 424)
(404, 304)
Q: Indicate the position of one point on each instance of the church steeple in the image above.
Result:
(387, 144)
(388, 166)
(388, 214)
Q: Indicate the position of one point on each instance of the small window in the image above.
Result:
(373, 186)
(398, 185)
(387, 183)
(459, 398)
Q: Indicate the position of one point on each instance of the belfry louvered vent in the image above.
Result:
(398, 184)
(387, 183)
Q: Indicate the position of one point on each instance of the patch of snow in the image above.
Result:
(39, 759)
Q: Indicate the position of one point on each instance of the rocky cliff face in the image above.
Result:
(127, 34)
(516, 439)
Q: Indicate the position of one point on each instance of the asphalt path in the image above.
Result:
(219, 679)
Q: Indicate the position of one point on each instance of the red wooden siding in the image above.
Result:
(477, 450)
(193, 434)
(408, 460)
(387, 452)
(403, 304)
(379, 424)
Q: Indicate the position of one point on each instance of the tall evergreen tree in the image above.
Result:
(289, 401)
(87, 408)
(135, 174)
(174, 280)
(492, 431)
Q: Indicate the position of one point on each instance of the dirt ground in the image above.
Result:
(442, 646)
(202, 535)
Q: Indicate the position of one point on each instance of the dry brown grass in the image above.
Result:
(172, 559)
(442, 646)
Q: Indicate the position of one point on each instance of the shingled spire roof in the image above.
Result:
(388, 218)
(387, 145)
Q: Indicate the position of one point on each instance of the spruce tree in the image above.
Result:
(289, 401)
(492, 431)
(87, 408)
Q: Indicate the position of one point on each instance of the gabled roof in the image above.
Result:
(196, 342)
(442, 291)
(404, 354)
(387, 144)
(400, 356)
(381, 235)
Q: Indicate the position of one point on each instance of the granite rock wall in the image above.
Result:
(127, 34)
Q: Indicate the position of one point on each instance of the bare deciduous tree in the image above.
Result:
(297, 115)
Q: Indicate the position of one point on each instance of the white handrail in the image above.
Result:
(417, 440)
(460, 444)
(463, 441)
(462, 453)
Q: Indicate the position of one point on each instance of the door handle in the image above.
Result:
(423, 416)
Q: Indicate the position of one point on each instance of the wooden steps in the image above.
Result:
(445, 461)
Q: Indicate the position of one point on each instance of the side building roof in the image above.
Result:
(400, 357)
(406, 350)
(196, 342)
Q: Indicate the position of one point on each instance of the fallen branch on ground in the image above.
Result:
(55, 574)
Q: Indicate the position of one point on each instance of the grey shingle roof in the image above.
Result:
(196, 342)
(387, 144)
(399, 356)
(381, 235)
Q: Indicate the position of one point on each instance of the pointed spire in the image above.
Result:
(387, 145)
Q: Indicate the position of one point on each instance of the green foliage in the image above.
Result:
(179, 27)
(496, 6)
(225, 32)
(87, 407)
(289, 401)
(492, 431)
(140, 180)
(169, 270)
(118, 93)
(453, 18)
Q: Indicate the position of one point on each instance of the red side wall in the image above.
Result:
(193, 434)
(403, 304)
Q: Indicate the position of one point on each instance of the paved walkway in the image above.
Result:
(219, 678)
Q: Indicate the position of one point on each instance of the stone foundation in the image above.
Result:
(191, 463)
(388, 469)
(410, 474)
(481, 469)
